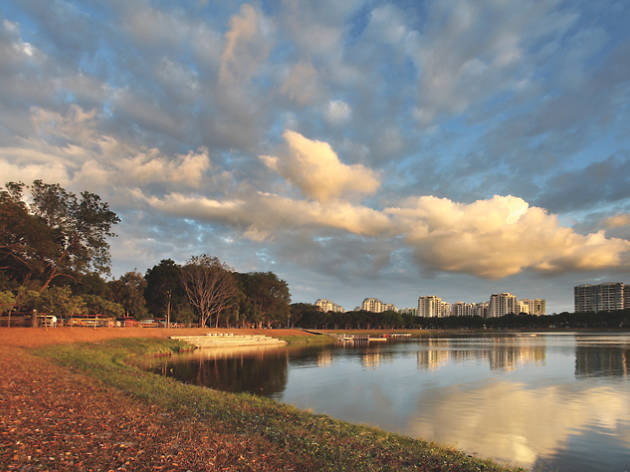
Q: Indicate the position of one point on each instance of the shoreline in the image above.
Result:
(295, 439)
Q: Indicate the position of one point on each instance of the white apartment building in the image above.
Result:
(532, 306)
(463, 309)
(480, 309)
(502, 304)
(326, 305)
(430, 306)
(373, 304)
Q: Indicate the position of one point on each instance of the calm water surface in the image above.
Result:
(558, 402)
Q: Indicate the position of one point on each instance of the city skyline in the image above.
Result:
(377, 147)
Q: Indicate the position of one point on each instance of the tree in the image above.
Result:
(164, 290)
(59, 234)
(99, 305)
(209, 286)
(60, 301)
(7, 302)
(269, 296)
(128, 291)
(26, 242)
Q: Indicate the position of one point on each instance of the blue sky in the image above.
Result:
(358, 148)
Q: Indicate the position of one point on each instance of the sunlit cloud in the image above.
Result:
(314, 167)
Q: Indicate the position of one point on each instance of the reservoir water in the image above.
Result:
(557, 402)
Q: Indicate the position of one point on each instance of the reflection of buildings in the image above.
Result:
(324, 358)
(602, 297)
(599, 361)
(501, 353)
(435, 356)
(506, 354)
(371, 359)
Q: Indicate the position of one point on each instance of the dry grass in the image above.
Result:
(34, 337)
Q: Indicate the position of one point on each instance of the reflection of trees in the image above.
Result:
(262, 372)
(601, 361)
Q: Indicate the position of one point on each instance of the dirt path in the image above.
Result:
(54, 419)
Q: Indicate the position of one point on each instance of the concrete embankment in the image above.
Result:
(228, 340)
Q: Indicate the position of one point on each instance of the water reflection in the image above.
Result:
(502, 353)
(516, 424)
(547, 402)
(599, 361)
(260, 370)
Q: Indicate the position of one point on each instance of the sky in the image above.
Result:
(356, 149)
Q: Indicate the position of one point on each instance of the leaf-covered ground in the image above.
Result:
(54, 419)
(89, 407)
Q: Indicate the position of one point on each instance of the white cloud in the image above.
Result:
(499, 237)
(314, 167)
(263, 214)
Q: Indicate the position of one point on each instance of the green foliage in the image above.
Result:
(264, 298)
(59, 234)
(7, 301)
(59, 301)
(164, 292)
(128, 291)
(98, 305)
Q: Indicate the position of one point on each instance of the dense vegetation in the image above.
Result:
(54, 257)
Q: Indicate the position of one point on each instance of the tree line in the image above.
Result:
(308, 316)
(54, 258)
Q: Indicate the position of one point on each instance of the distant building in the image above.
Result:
(462, 309)
(430, 306)
(502, 304)
(409, 311)
(390, 307)
(326, 305)
(532, 306)
(372, 304)
(601, 297)
(480, 309)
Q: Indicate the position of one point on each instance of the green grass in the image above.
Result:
(301, 340)
(329, 444)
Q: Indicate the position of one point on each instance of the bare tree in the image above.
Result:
(210, 287)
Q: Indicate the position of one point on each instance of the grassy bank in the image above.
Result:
(323, 442)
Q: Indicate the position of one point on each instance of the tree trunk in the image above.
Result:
(168, 311)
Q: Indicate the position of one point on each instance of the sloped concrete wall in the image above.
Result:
(218, 340)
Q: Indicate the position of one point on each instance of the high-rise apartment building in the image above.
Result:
(326, 305)
(502, 304)
(372, 304)
(601, 297)
(462, 309)
(480, 309)
(532, 306)
(429, 306)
